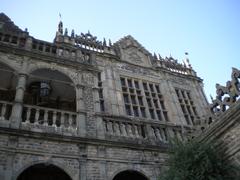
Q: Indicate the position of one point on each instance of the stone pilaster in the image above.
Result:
(99, 121)
(81, 117)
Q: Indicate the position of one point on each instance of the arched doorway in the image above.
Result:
(43, 172)
(129, 175)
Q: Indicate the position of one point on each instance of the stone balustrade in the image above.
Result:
(160, 133)
(36, 115)
(13, 40)
(137, 130)
(5, 110)
(164, 133)
(124, 129)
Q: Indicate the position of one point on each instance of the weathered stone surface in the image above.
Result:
(123, 109)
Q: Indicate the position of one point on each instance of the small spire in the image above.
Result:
(60, 27)
(60, 24)
(160, 57)
(104, 42)
(72, 33)
(155, 56)
(66, 32)
(109, 42)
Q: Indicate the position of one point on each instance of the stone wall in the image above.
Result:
(225, 129)
(78, 160)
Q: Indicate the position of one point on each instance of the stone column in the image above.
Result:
(28, 44)
(16, 115)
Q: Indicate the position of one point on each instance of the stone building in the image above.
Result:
(83, 109)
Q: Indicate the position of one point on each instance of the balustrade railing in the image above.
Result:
(36, 115)
(130, 129)
(5, 110)
(160, 133)
(124, 129)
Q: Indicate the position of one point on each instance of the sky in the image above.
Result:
(209, 30)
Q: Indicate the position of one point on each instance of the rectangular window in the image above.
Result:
(159, 115)
(133, 99)
(131, 96)
(151, 111)
(143, 112)
(145, 86)
(129, 83)
(126, 99)
(135, 111)
(128, 110)
(136, 84)
(154, 101)
(187, 105)
(123, 83)
(100, 93)
(140, 101)
(140, 97)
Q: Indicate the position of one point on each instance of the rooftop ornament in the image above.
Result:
(226, 95)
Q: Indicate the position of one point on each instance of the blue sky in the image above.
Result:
(209, 30)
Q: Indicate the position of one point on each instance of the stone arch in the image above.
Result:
(56, 164)
(50, 87)
(136, 170)
(70, 74)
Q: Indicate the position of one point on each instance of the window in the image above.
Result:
(100, 92)
(143, 99)
(44, 89)
(155, 102)
(187, 105)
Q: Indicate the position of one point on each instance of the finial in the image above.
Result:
(187, 61)
(104, 42)
(154, 55)
(160, 57)
(60, 27)
(72, 33)
(26, 30)
(66, 32)
(60, 16)
(60, 24)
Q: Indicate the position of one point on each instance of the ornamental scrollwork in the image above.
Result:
(226, 95)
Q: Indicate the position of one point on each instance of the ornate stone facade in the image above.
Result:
(90, 110)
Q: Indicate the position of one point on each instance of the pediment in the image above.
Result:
(132, 51)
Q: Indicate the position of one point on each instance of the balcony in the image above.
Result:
(46, 101)
(40, 119)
